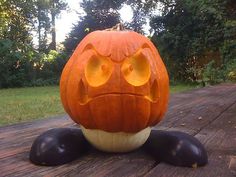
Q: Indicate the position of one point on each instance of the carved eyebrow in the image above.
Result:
(136, 53)
(144, 46)
(90, 46)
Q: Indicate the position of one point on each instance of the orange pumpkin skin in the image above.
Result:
(115, 81)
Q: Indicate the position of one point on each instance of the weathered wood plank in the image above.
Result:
(200, 104)
(133, 164)
(17, 129)
(219, 139)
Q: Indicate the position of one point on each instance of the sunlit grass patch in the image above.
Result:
(22, 104)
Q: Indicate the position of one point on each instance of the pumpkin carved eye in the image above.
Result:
(136, 69)
(98, 70)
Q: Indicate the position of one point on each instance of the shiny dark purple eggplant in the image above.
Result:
(176, 148)
(58, 146)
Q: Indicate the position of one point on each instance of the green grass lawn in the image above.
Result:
(24, 104)
(182, 87)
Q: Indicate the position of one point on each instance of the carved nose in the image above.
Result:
(154, 94)
(83, 95)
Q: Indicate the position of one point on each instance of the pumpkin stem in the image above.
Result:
(117, 27)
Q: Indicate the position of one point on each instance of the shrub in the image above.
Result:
(211, 74)
(26, 67)
(230, 70)
(12, 64)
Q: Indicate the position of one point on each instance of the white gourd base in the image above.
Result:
(116, 142)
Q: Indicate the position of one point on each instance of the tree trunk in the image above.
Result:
(39, 29)
(53, 15)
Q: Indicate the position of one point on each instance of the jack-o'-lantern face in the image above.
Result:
(116, 82)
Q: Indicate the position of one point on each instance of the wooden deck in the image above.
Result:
(208, 113)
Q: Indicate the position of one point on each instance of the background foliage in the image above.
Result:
(196, 39)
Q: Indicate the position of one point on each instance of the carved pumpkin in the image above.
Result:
(115, 83)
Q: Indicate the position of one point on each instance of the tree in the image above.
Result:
(20, 63)
(47, 11)
(138, 19)
(16, 21)
(56, 6)
(100, 14)
(189, 32)
(44, 25)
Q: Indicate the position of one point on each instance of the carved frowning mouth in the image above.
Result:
(84, 97)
